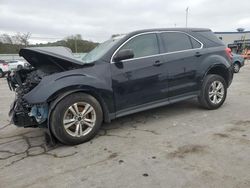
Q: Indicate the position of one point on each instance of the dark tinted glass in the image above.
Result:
(143, 45)
(208, 38)
(176, 41)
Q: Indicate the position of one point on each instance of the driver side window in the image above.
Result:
(143, 45)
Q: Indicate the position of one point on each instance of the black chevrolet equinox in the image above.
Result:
(126, 74)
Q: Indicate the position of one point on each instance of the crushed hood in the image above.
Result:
(51, 59)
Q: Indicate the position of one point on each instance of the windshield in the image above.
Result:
(100, 50)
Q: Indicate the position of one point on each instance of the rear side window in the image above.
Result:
(143, 45)
(176, 41)
(208, 38)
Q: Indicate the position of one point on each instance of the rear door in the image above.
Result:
(181, 58)
(137, 81)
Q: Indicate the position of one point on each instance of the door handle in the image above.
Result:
(157, 63)
(198, 54)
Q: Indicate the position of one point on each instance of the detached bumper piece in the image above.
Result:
(21, 119)
(23, 115)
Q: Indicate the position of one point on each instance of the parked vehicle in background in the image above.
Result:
(238, 62)
(246, 54)
(124, 75)
(17, 65)
(4, 68)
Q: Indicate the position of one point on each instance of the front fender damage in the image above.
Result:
(34, 84)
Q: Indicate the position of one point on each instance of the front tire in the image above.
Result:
(213, 92)
(76, 119)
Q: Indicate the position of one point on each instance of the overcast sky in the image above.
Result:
(97, 20)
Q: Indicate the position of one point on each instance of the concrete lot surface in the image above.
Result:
(180, 145)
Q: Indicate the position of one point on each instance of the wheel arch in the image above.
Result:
(59, 95)
(237, 62)
(219, 69)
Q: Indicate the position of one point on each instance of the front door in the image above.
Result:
(137, 81)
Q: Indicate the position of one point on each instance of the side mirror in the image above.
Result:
(124, 54)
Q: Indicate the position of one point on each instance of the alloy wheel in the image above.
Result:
(79, 119)
(216, 92)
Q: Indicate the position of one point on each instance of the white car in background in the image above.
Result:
(4, 68)
(17, 64)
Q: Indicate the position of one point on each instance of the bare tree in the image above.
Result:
(22, 38)
(5, 38)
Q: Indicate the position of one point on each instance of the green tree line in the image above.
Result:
(12, 44)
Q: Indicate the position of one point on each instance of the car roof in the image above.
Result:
(170, 29)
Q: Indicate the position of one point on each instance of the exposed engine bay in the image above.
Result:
(24, 80)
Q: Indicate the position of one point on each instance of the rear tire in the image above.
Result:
(76, 119)
(213, 92)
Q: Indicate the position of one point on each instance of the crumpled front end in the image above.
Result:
(44, 61)
(21, 112)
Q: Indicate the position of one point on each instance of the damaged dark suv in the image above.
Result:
(124, 75)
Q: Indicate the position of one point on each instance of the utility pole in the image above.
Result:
(75, 44)
(187, 16)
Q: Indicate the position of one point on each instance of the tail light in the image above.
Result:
(229, 54)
